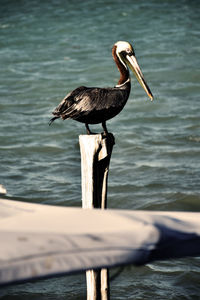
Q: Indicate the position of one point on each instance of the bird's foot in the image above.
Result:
(104, 134)
(109, 136)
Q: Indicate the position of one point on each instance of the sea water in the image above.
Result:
(47, 49)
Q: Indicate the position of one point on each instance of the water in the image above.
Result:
(48, 48)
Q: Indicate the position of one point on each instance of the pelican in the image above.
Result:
(93, 105)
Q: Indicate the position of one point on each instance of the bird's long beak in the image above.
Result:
(132, 63)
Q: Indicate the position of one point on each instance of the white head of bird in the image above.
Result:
(126, 55)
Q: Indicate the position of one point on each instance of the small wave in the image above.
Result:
(3, 26)
(163, 268)
(194, 139)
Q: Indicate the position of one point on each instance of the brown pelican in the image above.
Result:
(92, 105)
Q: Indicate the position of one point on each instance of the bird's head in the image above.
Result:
(126, 55)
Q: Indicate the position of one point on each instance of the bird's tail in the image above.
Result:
(53, 119)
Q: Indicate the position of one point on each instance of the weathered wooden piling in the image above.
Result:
(96, 152)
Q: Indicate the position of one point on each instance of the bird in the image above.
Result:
(93, 105)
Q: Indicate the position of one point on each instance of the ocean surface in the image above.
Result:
(47, 49)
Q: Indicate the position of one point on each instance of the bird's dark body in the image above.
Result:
(93, 105)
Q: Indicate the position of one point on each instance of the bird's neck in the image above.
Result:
(124, 72)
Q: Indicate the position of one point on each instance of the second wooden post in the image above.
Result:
(96, 152)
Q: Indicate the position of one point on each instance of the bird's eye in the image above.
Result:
(129, 51)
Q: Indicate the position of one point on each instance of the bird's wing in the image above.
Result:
(83, 101)
(96, 100)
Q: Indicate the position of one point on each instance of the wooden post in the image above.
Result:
(96, 152)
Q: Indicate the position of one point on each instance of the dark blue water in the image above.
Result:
(48, 48)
